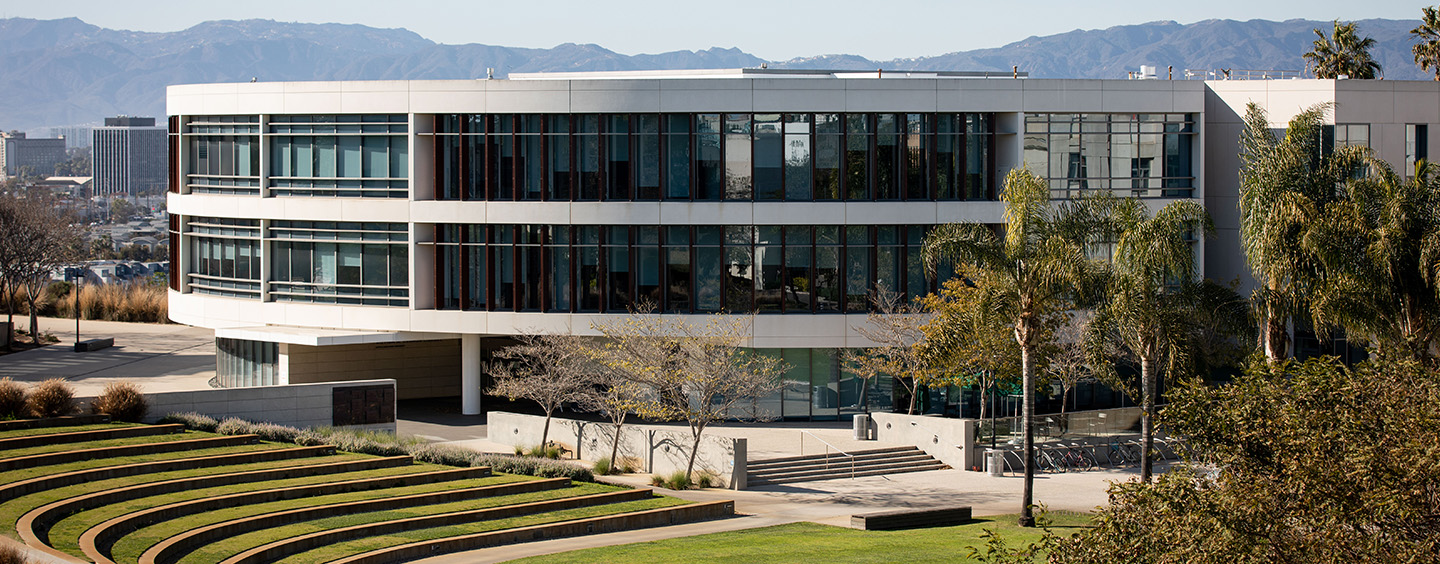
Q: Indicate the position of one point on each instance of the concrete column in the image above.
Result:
(470, 374)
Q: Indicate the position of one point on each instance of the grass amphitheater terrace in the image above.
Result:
(86, 490)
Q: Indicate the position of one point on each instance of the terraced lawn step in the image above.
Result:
(859, 474)
(842, 463)
(86, 436)
(35, 525)
(594, 525)
(65, 457)
(280, 549)
(761, 463)
(67, 421)
(41, 483)
(97, 541)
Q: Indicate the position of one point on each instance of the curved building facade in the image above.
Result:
(348, 230)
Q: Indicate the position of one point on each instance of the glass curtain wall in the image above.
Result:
(714, 157)
(1129, 155)
(223, 154)
(342, 155)
(769, 269)
(339, 263)
(224, 256)
(240, 363)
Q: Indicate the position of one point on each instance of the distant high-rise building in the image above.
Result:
(76, 136)
(128, 156)
(41, 155)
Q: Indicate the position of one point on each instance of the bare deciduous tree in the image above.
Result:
(550, 370)
(697, 371)
(896, 328)
(38, 239)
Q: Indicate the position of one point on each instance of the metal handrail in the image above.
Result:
(828, 446)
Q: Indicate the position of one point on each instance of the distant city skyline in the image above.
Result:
(771, 30)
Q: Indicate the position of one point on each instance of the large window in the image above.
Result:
(678, 268)
(240, 363)
(339, 155)
(224, 256)
(714, 157)
(1135, 155)
(1417, 146)
(222, 154)
(339, 263)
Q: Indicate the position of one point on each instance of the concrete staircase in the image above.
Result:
(873, 462)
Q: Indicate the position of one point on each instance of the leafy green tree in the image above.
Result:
(966, 340)
(1378, 252)
(1035, 268)
(1284, 186)
(1427, 51)
(1343, 52)
(1307, 462)
(1150, 300)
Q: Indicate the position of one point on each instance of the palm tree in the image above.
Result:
(1427, 51)
(1344, 52)
(1149, 307)
(1033, 271)
(1379, 255)
(1284, 185)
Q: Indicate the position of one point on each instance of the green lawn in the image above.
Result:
(809, 542)
(65, 535)
(102, 443)
(11, 510)
(239, 543)
(27, 473)
(57, 430)
(341, 550)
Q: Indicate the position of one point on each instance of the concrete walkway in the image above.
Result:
(160, 358)
(830, 502)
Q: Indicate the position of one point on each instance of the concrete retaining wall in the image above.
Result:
(660, 450)
(951, 441)
(295, 405)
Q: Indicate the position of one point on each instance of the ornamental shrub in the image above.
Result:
(122, 401)
(12, 399)
(52, 398)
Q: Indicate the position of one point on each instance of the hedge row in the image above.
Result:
(384, 444)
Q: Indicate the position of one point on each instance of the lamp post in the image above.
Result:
(76, 275)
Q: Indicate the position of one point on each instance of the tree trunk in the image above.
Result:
(1027, 379)
(545, 434)
(914, 392)
(694, 449)
(615, 448)
(1147, 415)
(1276, 338)
(34, 321)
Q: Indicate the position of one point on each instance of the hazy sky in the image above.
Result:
(770, 29)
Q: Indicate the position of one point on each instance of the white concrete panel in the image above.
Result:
(798, 99)
(311, 102)
(374, 209)
(439, 101)
(614, 213)
(525, 212)
(889, 213)
(972, 212)
(610, 96)
(800, 213)
(1417, 106)
(919, 97)
(374, 102)
(313, 315)
(706, 213)
(1063, 99)
(714, 98)
(449, 211)
(507, 98)
(375, 318)
(1127, 101)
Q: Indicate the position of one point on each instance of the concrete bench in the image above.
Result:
(912, 518)
(94, 344)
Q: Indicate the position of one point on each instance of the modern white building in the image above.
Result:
(403, 229)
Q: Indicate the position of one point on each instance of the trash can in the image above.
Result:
(862, 427)
(995, 462)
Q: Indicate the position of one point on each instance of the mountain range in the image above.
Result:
(66, 71)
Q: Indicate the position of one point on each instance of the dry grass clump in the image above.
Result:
(52, 398)
(12, 399)
(117, 302)
(11, 554)
(122, 401)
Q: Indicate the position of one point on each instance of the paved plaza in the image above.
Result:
(177, 357)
